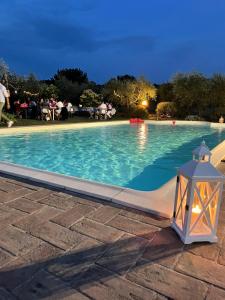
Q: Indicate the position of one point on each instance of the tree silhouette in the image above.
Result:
(73, 75)
(126, 77)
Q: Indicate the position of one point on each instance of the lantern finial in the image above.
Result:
(202, 153)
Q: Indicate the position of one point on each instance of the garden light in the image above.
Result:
(144, 103)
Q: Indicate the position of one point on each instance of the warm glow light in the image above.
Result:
(144, 103)
(196, 209)
(142, 135)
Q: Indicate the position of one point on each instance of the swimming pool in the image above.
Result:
(141, 157)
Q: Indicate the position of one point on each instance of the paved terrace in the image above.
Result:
(60, 246)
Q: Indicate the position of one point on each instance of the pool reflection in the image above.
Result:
(142, 134)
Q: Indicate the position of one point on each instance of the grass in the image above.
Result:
(75, 119)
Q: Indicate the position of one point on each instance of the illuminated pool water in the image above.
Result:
(141, 157)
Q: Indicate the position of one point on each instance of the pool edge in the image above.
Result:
(159, 202)
(51, 127)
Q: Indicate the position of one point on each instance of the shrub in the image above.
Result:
(134, 112)
(139, 112)
(166, 108)
(90, 98)
(193, 118)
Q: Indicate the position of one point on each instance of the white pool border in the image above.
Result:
(159, 201)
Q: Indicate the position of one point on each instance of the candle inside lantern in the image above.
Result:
(196, 209)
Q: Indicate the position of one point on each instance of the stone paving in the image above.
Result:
(55, 245)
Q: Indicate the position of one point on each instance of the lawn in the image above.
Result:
(75, 119)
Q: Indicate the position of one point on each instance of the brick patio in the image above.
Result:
(55, 245)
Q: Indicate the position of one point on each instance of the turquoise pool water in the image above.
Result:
(142, 157)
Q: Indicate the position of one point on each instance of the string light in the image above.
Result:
(31, 94)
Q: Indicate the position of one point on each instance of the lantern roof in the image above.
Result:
(202, 150)
(200, 170)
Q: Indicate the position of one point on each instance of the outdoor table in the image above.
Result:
(53, 112)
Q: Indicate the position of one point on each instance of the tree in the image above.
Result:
(90, 99)
(126, 77)
(217, 90)
(49, 91)
(216, 106)
(16, 86)
(191, 93)
(165, 92)
(166, 108)
(119, 93)
(32, 84)
(21, 86)
(4, 71)
(69, 90)
(73, 75)
(144, 90)
(128, 94)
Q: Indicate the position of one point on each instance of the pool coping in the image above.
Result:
(41, 128)
(159, 201)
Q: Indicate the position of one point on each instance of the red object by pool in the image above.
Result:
(24, 105)
(136, 120)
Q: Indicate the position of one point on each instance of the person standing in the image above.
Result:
(4, 97)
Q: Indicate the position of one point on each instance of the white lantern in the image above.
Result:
(198, 197)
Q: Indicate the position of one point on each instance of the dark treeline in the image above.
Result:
(185, 95)
(195, 94)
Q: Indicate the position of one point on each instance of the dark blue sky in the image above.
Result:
(154, 38)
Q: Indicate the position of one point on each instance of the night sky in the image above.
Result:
(154, 38)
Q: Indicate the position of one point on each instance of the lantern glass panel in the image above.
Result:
(181, 202)
(203, 210)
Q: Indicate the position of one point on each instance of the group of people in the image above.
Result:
(52, 109)
(42, 109)
(35, 109)
(49, 109)
(103, 111)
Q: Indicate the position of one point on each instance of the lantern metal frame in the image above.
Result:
(185, 219)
